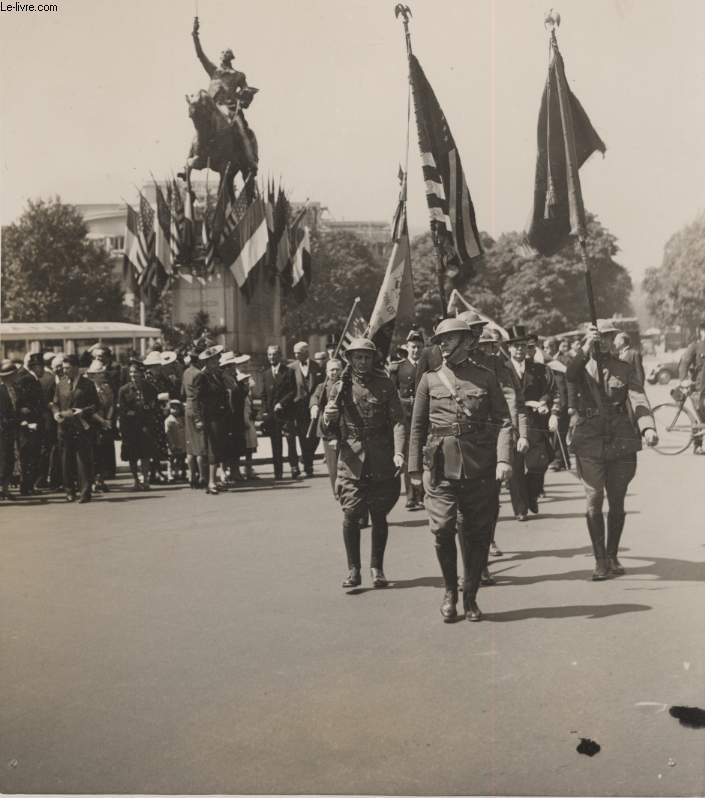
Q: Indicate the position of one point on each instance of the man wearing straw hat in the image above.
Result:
(461, 440)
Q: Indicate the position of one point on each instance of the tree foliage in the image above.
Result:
(675, 291)
(343, 266)
(544, 294)
(51, 271)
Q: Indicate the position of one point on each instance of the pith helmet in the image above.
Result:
(361, 345)
(448, 326)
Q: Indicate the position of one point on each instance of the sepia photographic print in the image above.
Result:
(352, 397)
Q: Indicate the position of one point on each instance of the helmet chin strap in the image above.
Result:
(448, 357)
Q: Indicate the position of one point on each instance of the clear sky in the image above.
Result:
(92, 101)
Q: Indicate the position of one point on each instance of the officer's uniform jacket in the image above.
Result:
(370, 429)
(608, 425)
(446, 440)
(693, 360)
(509, 383)
(404, 379)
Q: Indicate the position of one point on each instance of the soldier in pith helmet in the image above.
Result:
(461, 436)
(364, 411)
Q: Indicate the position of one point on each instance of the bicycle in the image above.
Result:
(678, 426)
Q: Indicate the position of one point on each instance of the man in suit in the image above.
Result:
(278, 394)
(75, 401)
(542, 403)
(31, 409)
(308, 376)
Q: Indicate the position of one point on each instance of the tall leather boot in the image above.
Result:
(615, 525)
(447, 554)
(380, 533)
(596, 527)
(351, 538)
(476, 553)
(534, 488)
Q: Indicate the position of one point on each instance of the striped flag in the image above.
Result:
(177, 224)
(396, 294)
(247, 245)
(145, 241)
(162, 246)
(234, 212)
(450, 205)
(301, 264)
(208, 240)
(132, 264)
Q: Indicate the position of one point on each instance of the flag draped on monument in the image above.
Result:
(247, 245)
(396, 295)
(162, 245)
(566, 139)
(450, 206)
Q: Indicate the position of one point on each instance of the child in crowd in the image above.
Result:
(175, 429)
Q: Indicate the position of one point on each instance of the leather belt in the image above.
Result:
(593, 412)
(458, 428)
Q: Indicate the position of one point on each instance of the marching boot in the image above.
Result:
(534, 489)
(615, 525)
(476, 553)
(448, 560)
(351, 539)
(596, 527)
(380, 533)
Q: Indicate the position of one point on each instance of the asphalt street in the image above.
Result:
(178, 642)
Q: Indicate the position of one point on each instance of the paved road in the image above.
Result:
(176, 642)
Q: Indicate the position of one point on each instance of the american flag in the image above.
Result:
(208, 247)
(234, 212)
(145, 241)
(162, 245)
(177, 224)
(450, 205)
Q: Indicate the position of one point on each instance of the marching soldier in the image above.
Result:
(542, 404)
(404, 378)
(608, 426)
(365, 411)
(461, 436)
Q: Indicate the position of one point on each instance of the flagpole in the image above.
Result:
(551, 21)
(400, 10)
(345, 329)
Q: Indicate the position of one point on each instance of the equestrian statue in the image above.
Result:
(224, 141)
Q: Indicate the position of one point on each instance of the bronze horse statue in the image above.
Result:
(226, 146)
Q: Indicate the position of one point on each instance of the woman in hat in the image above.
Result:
(211, 411)
(8, 428)
(104, 441)
(609, 417)
(235, 444)
(138, 406)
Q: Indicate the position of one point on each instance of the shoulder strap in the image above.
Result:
(442, 375)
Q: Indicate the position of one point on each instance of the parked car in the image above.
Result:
(665, 369)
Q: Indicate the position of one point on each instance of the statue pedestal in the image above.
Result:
(249, 326)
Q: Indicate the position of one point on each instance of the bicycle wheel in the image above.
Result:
(674, 426)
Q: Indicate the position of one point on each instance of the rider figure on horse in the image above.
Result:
(228, 88)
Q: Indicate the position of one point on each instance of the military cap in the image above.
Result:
(414, 335)
(472, 318)
(361, 345)
(449, 327)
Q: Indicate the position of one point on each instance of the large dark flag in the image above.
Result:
(566, 139)
(395, 300)
(450, 205)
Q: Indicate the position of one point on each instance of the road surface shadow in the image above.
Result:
(589, 611)
(422, 581)
(415, 523)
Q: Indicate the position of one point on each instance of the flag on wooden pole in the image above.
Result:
(566, 139)
(395, 300)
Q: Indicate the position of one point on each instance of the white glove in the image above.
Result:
(553, 423)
